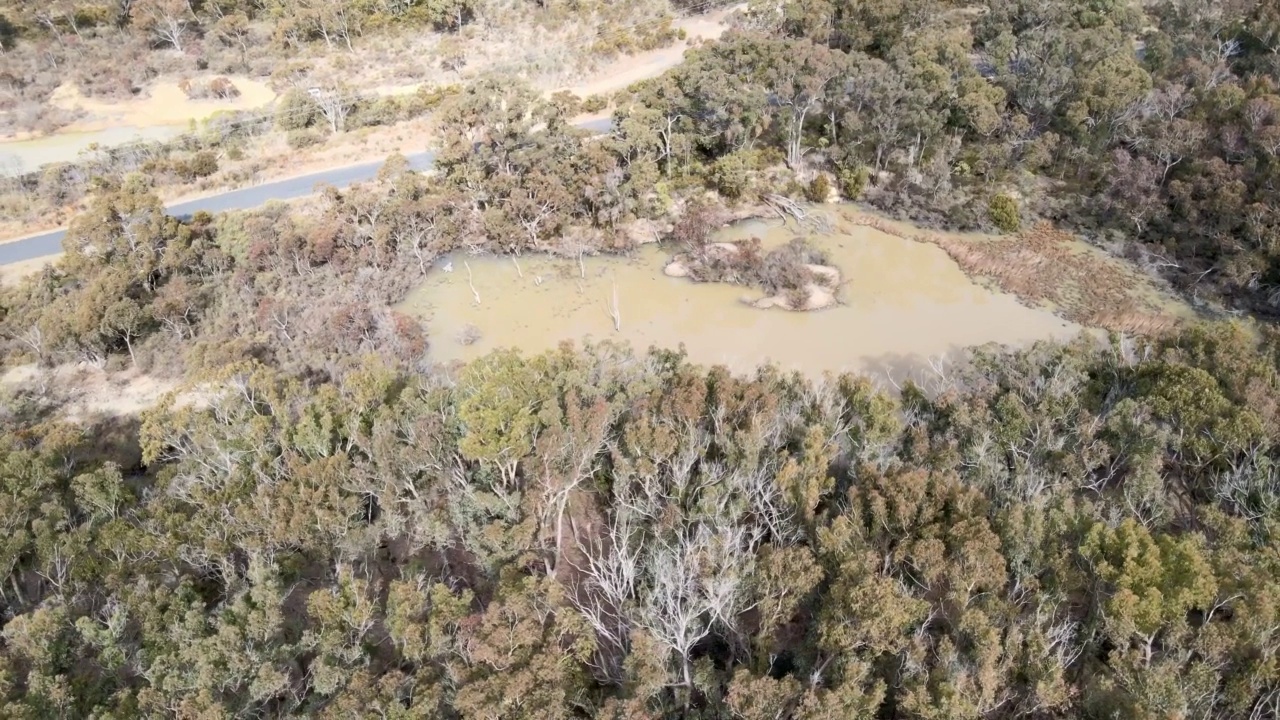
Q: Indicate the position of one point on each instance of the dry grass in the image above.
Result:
(11, 274)
(1050, 267)
(81, 392)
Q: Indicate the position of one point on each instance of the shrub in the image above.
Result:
(223, 89)
(453, 55)
(469, 335)
(731, 174)
(54, 184)
(1003, 211)
(305, 138)
(769, 156)
(819, 189)
(780, 270)
(218, 88)
(203, 164)
(297, 110)
(379, 111)
(694, 227)
(431, 97)
(853, 182)
(595, 103)
(1039, 154)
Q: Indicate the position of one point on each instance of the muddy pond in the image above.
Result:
(903, 305)
(23, 156)
(161, 112)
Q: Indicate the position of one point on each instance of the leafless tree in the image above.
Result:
(168, 20)
(470, 282)
(335, 105)
(417, 231)
(1250, 488)
(614, 311)
(677, 611)
(33, 337)
(570, 465)
(611, 571)
(1267, 705)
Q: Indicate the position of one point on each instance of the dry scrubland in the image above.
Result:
(105, 55)
(340, 528)
(396, 77)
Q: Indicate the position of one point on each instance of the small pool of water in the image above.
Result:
(23, 156)
(904, 303)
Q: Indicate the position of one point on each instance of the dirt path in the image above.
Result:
(629, 69)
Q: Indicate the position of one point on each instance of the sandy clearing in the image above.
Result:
(83, 392)
(162, 103)
(160, 113)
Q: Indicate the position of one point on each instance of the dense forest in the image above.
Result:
(322, 523)
(1067, 532)
(1153, 129)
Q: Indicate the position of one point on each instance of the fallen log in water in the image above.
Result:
(786, 205)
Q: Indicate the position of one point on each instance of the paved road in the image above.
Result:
(50, 243)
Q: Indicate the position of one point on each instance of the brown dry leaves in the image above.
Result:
(1045, 266)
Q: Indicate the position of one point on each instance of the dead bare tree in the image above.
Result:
(770, 510)
(571, 464)
(730, 547)
(417, 231)
(470, 283)
(167, 20)
(614, 311)
(1267, 705)
(611, 572)
(677, 612)
(335, 105)
(1250, 488)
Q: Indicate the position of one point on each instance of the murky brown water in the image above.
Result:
(162, 112)
(23, 156)
(904, 303)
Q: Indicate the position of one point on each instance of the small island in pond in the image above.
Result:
(794, 276)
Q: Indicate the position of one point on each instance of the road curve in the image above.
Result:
(50, 243)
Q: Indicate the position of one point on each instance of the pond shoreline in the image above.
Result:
(905, 304)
